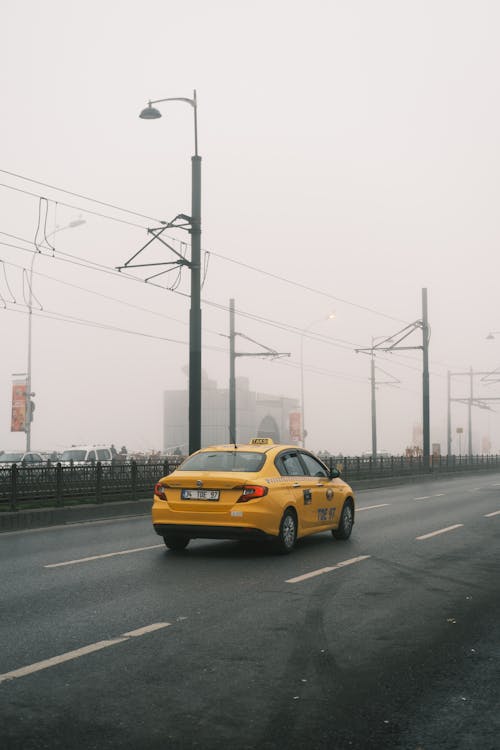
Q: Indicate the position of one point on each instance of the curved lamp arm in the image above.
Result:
(151, 113)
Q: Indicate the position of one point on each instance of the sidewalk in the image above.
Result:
(36, 518)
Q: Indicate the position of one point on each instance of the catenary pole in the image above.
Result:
(425, 382)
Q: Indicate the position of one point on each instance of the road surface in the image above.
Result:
(389, 640)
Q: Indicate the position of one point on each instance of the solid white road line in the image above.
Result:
(320, 571)
(69, 655)
(440, 531)
(72, 524)
(101, 557)
(371, 507)
(495, 513)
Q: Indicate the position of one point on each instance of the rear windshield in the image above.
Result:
(74, 455)
(224, 461)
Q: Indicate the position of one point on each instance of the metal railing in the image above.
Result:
(49, 485)
(358, 468)
(54, 484)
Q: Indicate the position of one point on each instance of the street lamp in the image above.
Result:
(331, 316)
(152, 113)
(29, 394)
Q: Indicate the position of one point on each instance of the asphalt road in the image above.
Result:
(231, 646)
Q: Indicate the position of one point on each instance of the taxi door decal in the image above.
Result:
(307, 497)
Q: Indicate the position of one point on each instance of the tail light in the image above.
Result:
(160, 491)
(251, 491)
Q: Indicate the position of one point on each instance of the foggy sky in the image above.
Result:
(349, 147)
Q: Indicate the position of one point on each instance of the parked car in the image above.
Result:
(82, 455)
(256, 491)
(27, 458)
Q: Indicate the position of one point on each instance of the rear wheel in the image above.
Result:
(346, 522)
(176, 543)
(285, 541)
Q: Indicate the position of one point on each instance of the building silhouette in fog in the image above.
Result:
(257, 415)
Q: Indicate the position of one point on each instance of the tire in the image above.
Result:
(176, 543)
(285, 541)
(346, 521)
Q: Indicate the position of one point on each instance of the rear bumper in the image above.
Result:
(197, 531)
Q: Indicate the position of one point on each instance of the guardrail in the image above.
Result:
(39, 486)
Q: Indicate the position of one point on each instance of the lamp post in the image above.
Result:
(331, 316)
(29, 394)
(152, 113)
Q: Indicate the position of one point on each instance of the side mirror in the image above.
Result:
(334, 473)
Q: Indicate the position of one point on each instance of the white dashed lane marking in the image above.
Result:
(101, 557)
(320, 571)
(495, 513)
(424, 497)
(439, 531)
(372, 507)
(77, 653)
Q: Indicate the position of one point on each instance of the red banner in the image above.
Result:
(295, 426)
(18, 420)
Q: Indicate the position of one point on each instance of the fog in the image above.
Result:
(350, 158)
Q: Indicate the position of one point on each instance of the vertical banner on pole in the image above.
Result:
(18, 419)
(295, 426)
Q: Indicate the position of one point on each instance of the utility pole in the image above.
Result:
(232, 367)
(425, 382)
(471, 396)
(448, 431)
(193, 225)
(195, 311)
(392, 344)
(373, 387)
(374, 408)
(232, 375)
(480, 402)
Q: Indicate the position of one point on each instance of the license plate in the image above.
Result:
(200, 494)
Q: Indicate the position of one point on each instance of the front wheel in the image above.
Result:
(176, 543)
(285, 541)
(346, 522)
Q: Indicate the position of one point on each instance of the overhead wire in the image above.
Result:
(78, 195)
(63, 317)
(95, 266)
(82, 262)
(306, 287)
(103, 296)
(79, 208)
(219, 255)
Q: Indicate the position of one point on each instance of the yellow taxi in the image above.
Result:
(257, 491)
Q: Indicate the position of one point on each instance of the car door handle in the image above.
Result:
(296, 484)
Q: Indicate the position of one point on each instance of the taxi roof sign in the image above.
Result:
(262, 441)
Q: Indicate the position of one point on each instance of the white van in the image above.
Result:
(81, 455)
